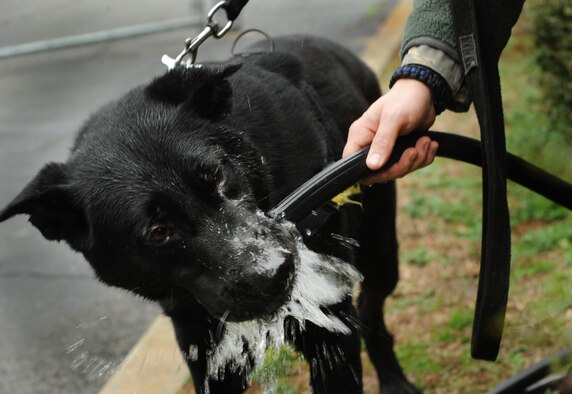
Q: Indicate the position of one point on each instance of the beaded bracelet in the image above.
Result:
(436, 83)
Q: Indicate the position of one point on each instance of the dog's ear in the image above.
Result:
(49, 202)
(204, 89)
(214, 98)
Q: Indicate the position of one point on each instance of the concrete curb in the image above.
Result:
(155, 364)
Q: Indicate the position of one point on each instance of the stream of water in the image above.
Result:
(320, 281)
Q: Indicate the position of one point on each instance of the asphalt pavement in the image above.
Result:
(61, 331)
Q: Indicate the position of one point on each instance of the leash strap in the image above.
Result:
(233, 8)
(472, 26)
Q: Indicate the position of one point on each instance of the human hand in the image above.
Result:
(406, 107)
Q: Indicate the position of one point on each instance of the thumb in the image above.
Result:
(382, 144)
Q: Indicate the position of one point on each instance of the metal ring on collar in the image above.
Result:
(269, 40)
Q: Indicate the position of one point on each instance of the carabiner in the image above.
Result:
(217, 32)
(192, 45)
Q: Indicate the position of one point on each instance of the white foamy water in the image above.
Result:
(320, 281)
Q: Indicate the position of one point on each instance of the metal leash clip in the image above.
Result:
(192, 44)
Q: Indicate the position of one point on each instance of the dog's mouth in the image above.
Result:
(315, 283)
(251, 275)
(258, 295)
(269, 271)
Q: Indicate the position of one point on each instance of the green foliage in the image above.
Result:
(516, 358)
(446, 336)
(553, 36)
(454, 212)
(531, 271)
(417, 256)
(556, 296)
(415, 357)
(460, 319)
(553, 237)
(537, 208)
(278, 365)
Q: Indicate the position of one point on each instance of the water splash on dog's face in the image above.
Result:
(319, 281)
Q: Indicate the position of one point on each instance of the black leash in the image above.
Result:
(233, 8)
(481, 73)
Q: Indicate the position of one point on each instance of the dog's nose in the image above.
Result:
(256, 290)
(265, 271)
(280, 280)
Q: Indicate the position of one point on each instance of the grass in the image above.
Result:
(439, 222)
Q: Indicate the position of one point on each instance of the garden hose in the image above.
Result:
(342, 174)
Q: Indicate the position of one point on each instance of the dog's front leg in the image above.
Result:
(334, 358)
(195, 333)
(379, 344)
(379, 265)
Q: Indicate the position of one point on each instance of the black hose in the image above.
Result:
(523, 381)
(345, 172)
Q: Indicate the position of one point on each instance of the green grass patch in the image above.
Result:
(454, 210)
(418, 256)
(533, 270)
(460, 319)
(425, 302)
(532, 207)
(556, 236)
(277, 362)
(445, 336)
(556, 294)
(517, 357)
(279, 365)
(441, 183)
(416, 357)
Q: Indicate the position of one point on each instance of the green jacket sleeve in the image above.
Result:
(431, 24)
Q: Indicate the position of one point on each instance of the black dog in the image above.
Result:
(162, 185)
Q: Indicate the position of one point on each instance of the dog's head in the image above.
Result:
(161, 196)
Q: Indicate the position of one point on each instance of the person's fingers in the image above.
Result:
(427, 155)
(383, 142)
(433, 148)
(407, 106)
(422, 148)
(422, 155)
(362, 131)
(405, 165)
(399, 169)
(359, 136)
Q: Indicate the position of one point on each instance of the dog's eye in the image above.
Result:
(160, 234)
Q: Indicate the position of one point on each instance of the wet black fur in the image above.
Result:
(197, 151)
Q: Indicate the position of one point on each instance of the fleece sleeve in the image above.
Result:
(429, 39)
(431, 24)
